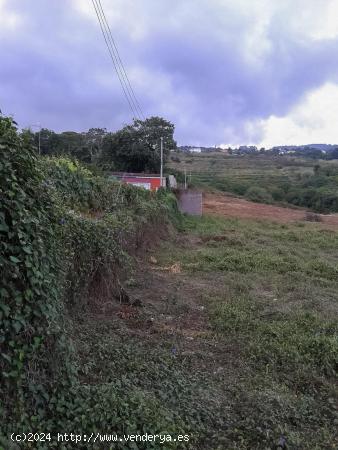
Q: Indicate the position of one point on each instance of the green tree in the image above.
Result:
(94, 142)
(316, 169)
(49, 142)
(71, 142)
(136, 147)
(333, 154)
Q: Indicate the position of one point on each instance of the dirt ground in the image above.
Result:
(171, 309)
(229, 206)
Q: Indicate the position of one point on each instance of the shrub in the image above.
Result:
(175, 159)
(278, 194)
(258, 194)
(312, 217)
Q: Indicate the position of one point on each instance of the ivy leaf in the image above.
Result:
(4, 227)
(4, 293)
(17, 326)
(7, 357)
(14, 259)
(6, 309)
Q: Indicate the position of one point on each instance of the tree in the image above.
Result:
(136, 147)
(49, 142)
(94, 142)
(316, 169)
(333, 154)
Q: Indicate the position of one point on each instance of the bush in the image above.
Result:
(226, 185)
(258, 194)
(278, 194)
(312, 217)
(175, 159)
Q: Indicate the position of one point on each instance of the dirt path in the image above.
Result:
(228, 206)
(170, 311)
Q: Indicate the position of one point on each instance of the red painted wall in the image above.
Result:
(155, 183)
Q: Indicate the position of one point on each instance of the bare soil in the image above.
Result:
(171, 310)
(226, 205)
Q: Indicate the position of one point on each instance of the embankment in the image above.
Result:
(67, 241)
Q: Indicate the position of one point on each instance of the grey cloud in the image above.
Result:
(55, 69)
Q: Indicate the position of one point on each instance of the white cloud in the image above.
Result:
(9, 20)
(320, 22)
(314, 120)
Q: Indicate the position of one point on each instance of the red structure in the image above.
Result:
(151, 182)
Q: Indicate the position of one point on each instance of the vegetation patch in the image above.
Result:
(265, 178)
(64, 231)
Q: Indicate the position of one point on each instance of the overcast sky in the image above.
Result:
(261, 72)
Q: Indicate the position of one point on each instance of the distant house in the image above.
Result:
(148, 181)
(224, 150)
(195, 150)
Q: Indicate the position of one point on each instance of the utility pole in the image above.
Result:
(39, 135)
(39, 138)
(161, 170)
(185, 178)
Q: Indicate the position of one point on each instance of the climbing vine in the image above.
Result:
(62, 229)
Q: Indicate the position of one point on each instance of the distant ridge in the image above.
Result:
(326, 148)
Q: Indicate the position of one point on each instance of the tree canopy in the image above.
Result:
(136, 147)
(85, 147)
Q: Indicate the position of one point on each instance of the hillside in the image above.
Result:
(226, 205)
(282, 180)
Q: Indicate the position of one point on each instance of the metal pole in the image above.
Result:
(185, 178)
(40, 140)
(39, 135)
(161, 170)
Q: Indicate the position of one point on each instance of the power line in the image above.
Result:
(117, 62)
(113, 58)
(129, 86)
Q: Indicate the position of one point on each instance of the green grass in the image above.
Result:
(271, 296)
(249, 247)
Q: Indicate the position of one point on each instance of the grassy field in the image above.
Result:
(120, 316)
(268, 179)
(248, 169)
(236, 341)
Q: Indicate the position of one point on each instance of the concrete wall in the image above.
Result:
(190, 202)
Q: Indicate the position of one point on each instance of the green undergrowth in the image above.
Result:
(188, 397)
(240, 412)
(67, 237)
(272, 298)
(243, 247)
